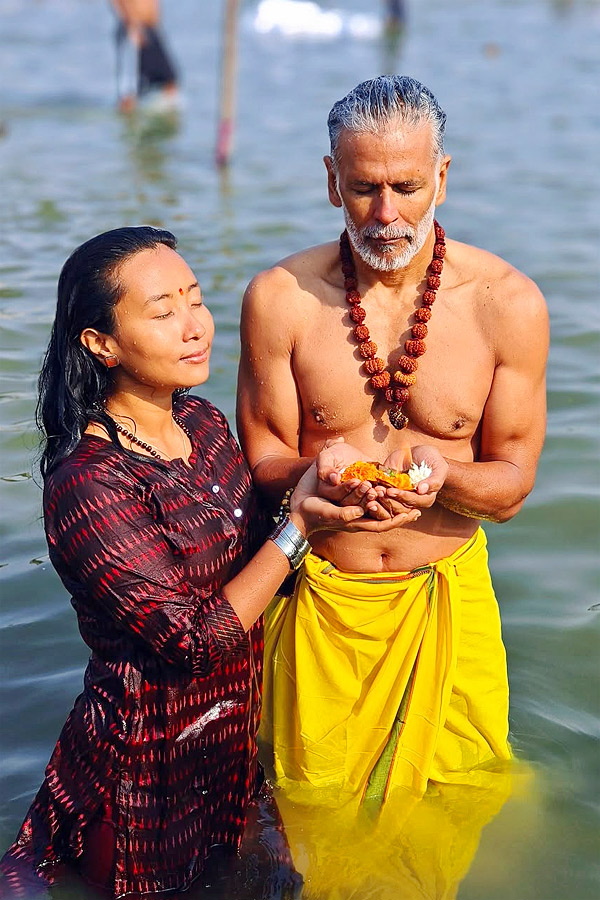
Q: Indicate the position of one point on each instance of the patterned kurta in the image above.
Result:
(163, 734)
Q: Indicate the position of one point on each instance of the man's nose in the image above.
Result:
(385, 210)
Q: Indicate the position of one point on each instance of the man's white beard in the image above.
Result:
(389, 259)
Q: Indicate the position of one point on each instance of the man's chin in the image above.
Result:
(388, 260)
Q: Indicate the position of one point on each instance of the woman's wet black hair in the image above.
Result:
(73, 385)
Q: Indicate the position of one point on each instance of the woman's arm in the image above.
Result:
(104, 540)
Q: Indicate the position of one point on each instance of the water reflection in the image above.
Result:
(148, 137)
(416, 848)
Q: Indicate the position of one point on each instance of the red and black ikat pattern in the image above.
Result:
(163, 734)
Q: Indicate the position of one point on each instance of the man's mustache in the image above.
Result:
(386, 234)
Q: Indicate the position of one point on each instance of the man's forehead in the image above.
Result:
(402, 152)
(392, 136)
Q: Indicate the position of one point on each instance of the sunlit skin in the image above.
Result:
(389, 181)
(162, 339)
(477, 410)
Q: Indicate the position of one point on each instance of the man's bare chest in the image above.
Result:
(446, 404)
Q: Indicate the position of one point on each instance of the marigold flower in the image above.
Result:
(376, 474)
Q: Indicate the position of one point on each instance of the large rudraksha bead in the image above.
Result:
(381, 381)
(415, 348)
(433, 282)
(357, 314)
(423, 314)
(429, 298)
(408, 364)
(436, 266)
(353, 297)
(368, 349)
(361, 333)
(405, 379)
(419, 330)
(374, 366)
(439, 251)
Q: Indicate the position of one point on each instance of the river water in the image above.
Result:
(518, 79)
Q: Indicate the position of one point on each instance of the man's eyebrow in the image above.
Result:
(155, 297)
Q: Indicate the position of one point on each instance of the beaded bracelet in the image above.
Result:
(284, 509)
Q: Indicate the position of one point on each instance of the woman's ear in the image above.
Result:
(100, 345)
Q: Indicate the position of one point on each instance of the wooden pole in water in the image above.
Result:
(228, 70)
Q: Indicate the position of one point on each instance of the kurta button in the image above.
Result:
(215, 488)
(237, 513)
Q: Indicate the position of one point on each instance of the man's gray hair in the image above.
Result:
(373, 104)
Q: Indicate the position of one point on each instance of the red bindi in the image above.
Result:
(181, 291)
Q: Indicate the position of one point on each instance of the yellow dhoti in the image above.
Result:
(386, 681)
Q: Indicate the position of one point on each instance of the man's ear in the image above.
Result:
(334, 197)
(443, 176)
(99, 345)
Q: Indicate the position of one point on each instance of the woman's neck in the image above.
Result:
(151, 416)
(148, 420)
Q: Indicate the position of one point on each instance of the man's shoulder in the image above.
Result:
(499, 287)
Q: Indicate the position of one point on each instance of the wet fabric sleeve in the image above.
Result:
(106, 545)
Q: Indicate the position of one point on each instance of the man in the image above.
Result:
(386, 668)
(143, 64)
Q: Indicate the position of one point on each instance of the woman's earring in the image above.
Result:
(111, 361)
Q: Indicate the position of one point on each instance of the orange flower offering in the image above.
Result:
(377, 474)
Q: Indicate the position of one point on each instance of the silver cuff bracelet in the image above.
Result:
(290, 541)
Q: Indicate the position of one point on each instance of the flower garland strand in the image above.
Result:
(395, 387)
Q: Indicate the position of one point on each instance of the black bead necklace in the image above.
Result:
(146, 446)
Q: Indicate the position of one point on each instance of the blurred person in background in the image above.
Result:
(154, 529)
(144, 67)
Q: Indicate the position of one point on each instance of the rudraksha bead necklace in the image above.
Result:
(395, 387)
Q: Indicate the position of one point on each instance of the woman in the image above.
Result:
(153, 528)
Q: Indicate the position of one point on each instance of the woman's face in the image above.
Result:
(164, 332)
